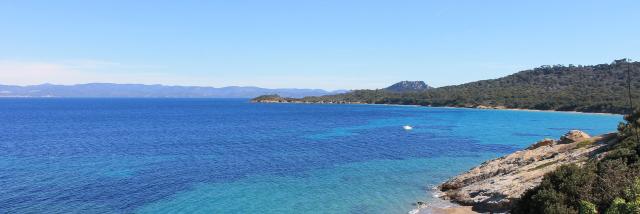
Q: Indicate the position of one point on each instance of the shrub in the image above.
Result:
(610, 185)
(588, 208)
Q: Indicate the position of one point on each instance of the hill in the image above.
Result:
(139, 90)
(595, 88)
(408, 86)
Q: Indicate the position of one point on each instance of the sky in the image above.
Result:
(327, 44)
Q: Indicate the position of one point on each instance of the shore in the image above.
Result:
(449, 210)
(480, 107)
(495, 185)
(522, 109)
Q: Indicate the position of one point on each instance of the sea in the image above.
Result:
(60, 155)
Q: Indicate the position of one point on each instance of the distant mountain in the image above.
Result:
(408, 86)
(593, 88)
(139, 90)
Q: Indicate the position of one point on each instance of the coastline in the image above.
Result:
(496, 184)
(446, 210)
(454, 207)
(442, 206)
(501, 108)
(531, 110)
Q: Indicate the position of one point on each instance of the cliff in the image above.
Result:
(493, 186)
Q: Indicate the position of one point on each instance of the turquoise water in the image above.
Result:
(232, 156)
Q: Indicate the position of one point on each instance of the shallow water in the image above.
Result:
(232, 156)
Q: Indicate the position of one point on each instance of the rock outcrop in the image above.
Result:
(544, 142)
(493, 186)
(574, 136)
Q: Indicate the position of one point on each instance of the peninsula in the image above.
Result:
(593, 88)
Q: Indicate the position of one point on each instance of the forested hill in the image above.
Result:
(408, 86)
(596, 88)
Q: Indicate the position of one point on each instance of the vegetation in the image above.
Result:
(610, 185)
(408, 86)
(597, 88)
(272, 97)
(587, 208)
(585, 143)
(542, 166)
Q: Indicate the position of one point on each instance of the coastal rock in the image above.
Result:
(544, 142)
(493, 186)
(574, 136)
(447, 210)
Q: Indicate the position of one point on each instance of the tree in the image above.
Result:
(588, 208)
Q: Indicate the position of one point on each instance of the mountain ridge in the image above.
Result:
(155, 90)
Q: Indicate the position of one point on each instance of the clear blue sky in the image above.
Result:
(327, 44)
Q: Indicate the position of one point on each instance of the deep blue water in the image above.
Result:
(232, 156)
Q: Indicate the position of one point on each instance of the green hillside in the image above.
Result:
(596, 88)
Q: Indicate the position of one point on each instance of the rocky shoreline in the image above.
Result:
(496, 184)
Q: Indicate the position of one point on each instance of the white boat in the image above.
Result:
(407, 127)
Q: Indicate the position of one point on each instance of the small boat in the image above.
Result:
(407, 127)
